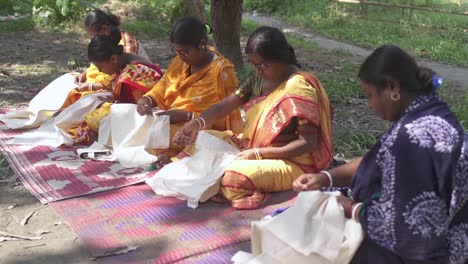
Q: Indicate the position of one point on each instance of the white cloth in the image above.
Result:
(159, 133)
(313, 230)
(97, 152)
(42, 106)
(195, 178)
(54, 132)
(128, 132)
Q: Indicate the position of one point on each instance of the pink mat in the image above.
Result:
(164, 229)
(53, 174)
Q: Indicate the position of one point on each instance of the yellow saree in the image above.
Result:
(130, 85)
(246, 182)
(93, 75)
(178, 89)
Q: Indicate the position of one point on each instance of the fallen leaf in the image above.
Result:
(117, 251)
(26, 218)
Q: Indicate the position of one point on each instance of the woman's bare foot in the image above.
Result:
(163, 160)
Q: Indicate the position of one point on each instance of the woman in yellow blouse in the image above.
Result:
(288, 124)
(197, 78)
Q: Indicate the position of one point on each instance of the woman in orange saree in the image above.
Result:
(288, 125)
(135, 76)
(92, 79)
(197, 78)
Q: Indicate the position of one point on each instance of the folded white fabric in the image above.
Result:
(54, 132)
(42, 106)
(159, 133)
(313, 230)
(128, 133)
(195, 178)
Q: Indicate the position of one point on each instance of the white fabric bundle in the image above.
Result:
(195, 178)
(54, 131)
(42, 106)
(313, 230)
(128, 133)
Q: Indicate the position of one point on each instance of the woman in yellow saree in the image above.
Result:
(288, 125)
(135, 76)
(92, 79)
(197, 78)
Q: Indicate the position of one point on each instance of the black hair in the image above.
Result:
(97, 18)
(271, 44)
(389, 63)
(188, 31)
(102, 47)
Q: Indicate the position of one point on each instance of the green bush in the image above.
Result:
(9, 7)
(53, 13)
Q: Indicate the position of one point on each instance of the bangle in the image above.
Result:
(193, 115)
(90, 87)
(330, 178)
(353, 211)
(150, 100)
(199, 124)
(257, 154)
(204, 122)
(188, 116)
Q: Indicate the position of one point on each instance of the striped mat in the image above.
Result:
(53, 174)
(164, 229)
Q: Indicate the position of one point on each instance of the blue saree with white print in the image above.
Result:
(414, 187)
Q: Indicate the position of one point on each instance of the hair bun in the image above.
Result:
(115, 36)
(425, 78)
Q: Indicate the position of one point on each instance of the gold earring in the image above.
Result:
(395, 97)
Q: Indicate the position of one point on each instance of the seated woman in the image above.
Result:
(58, 95)
(92, 79)
(135, 76)
(410, 191)
(288, 129)
(197, 78)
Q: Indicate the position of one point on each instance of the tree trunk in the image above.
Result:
(226, 16)
(196, 9)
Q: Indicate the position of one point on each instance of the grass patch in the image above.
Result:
(448, 46)
(341, 85)
(458, 102)
(25, 24)
(353, 143)
(248, 26)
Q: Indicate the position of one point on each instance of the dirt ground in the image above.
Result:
(31, 60)
(27, 61)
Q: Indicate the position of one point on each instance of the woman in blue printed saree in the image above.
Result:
(410, 191)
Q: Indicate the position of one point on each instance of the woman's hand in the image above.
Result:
(84, 87)
(347, 204)
(310, 182)
(248, 154)
(187, 134)
(144, 106)
(176, 115)
(80, 78)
